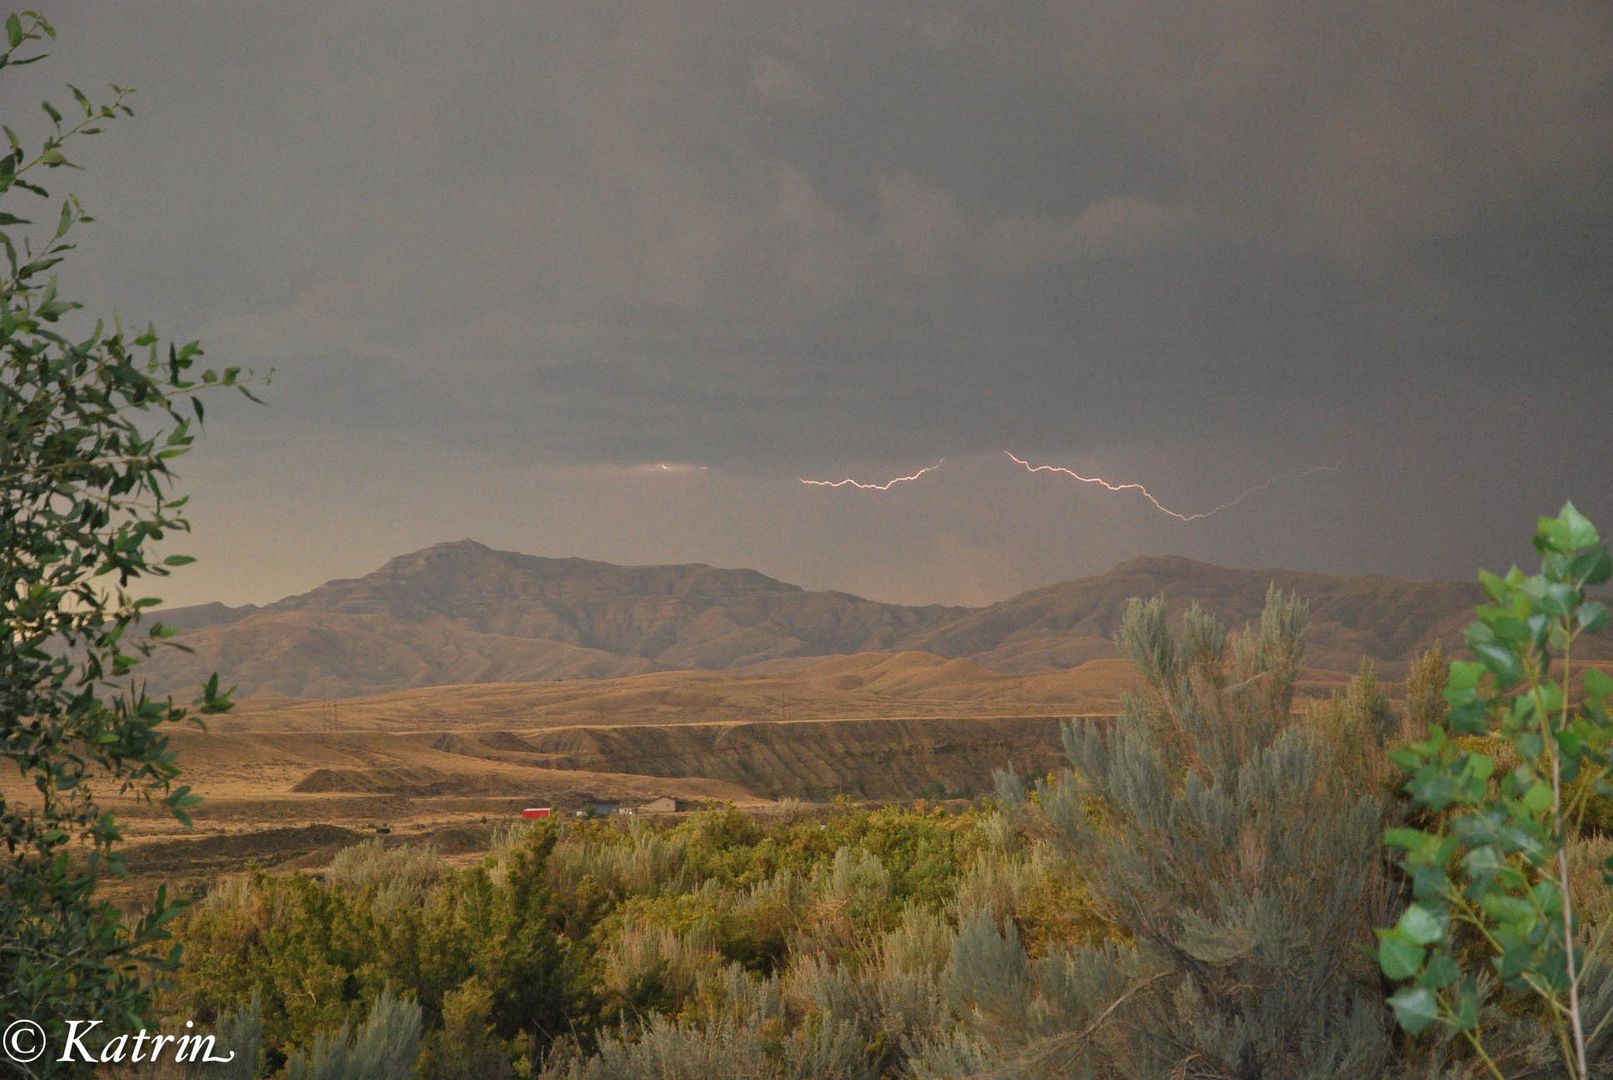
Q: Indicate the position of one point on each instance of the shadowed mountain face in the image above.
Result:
(464, 613)
(1387, 619)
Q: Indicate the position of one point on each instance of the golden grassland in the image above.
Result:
(288, 783)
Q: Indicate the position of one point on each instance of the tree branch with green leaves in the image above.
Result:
(92, 419)
(1501, 794)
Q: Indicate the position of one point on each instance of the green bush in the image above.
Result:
(385, 1047)
(586, 933)
(1236, 848)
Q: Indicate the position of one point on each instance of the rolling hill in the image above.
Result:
(463, 613)
(1390, 620)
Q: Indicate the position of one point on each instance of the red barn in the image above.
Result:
(536, 812)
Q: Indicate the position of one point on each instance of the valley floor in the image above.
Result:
(288, 783)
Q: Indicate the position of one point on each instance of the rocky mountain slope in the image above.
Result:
(463, 613)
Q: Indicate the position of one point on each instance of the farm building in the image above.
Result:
(666, 804)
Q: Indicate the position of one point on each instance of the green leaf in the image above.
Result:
(1434, 789)
(1514, 959)
(1466, 717)
(1478, 766)
(1421, 926)
(1559, 599)
(1495, 586)
(1551, 697)
(1548, 897)
(1441, 970)
(13, 30)
(1484, 864)
(1464, 675)
(1431, 884)
(1399, 957)
(1415, 1008)
(1414, 842)
(1578, 529)
(1407, 758)
(1502, 661)
(1509, 910)
(1537, 798)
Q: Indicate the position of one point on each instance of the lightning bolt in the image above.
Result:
(1292, 474)
(859, 485)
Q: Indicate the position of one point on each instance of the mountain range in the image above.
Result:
(461, 612)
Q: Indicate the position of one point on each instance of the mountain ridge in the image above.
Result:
(463, 612)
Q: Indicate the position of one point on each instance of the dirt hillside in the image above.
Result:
(463, 613)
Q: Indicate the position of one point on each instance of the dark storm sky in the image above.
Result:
(504, 255)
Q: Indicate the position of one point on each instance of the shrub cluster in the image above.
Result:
(813, 946)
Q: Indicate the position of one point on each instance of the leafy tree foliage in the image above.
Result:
(91, 419)
(1492, 919)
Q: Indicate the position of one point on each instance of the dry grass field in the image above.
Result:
(287, 783)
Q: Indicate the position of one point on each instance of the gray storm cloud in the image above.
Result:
(1196, 243)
